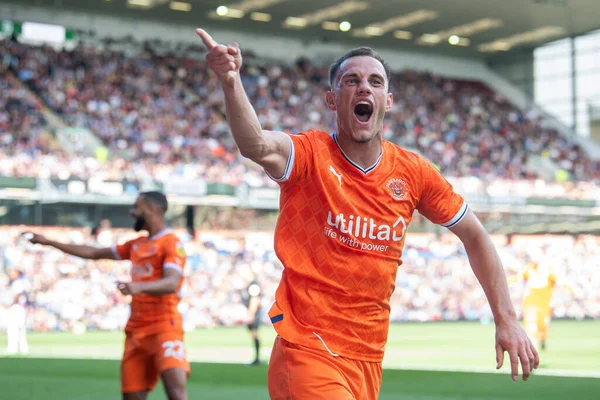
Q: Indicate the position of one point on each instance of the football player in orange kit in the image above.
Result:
(346, 200)
(154, 333)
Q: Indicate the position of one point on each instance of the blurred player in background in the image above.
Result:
(154, 344)
(540, 283)
(252, 299)
(16, 323)
(16, 327)
(346, 201)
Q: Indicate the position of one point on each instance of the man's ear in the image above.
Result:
(330, 100)
(388, 102)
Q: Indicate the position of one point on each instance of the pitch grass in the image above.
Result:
(80, 373)
(65, 379)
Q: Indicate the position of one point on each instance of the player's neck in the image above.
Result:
(156, 227)
(363, 154)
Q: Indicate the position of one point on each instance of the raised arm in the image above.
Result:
(270, 149)
(89, 252)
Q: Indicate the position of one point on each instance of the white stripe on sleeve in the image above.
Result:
(288, 167)
(462, 211)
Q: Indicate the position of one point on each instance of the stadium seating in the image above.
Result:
(23, 132)
(161, 115)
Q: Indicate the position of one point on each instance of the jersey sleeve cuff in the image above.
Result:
(115, 252)
(288, 167)
(173, 266)
(462, 211)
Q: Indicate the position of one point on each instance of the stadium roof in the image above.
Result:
(482, 27)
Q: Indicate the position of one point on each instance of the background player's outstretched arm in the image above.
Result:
(89, 252)
(570, 288)
(270, 149)
(167, 284)
(488, 269)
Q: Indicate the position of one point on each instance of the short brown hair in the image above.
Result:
(157, 199)
(358, 52)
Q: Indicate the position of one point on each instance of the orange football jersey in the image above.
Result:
(340, 236)
(149, 256)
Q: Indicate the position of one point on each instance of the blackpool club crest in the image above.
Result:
(398, 188)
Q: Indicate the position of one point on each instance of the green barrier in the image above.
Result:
(220, 189)
(10, 182)
(543, 201)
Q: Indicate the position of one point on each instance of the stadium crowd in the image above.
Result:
(23, 130)
(434, 282)
(160, 115)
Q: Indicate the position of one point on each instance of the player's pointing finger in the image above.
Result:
(208, 41)
(233, 49)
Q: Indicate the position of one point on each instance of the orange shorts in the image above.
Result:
(299, 372)
(146, 357)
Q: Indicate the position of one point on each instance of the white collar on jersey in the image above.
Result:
(361, 169)
(162, 233)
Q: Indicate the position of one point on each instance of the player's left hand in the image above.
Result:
(510, 337)
(129, 288)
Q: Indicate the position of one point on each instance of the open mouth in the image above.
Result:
(363, 111)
